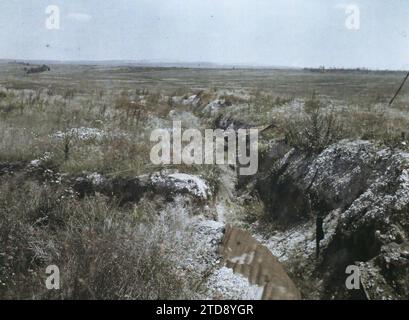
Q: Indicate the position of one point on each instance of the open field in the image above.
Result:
(74, 96)
(75, 146)
(364, 86)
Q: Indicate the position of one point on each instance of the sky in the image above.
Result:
(295, 33)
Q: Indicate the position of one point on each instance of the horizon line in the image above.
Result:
(188, 64)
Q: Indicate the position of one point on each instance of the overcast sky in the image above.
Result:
(296, 33)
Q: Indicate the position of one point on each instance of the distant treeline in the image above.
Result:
(346, 70)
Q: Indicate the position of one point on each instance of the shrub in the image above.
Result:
(317, 128)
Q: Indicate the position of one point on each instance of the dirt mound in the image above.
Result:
(362, 194)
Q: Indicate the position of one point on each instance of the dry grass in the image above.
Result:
(103, 252)
(29, 132)
(315, 130)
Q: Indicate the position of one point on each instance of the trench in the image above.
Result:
(246, 256)
(241, 252)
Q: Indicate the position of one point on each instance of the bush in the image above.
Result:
(317, 128)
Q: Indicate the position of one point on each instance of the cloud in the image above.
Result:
(78, 16)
